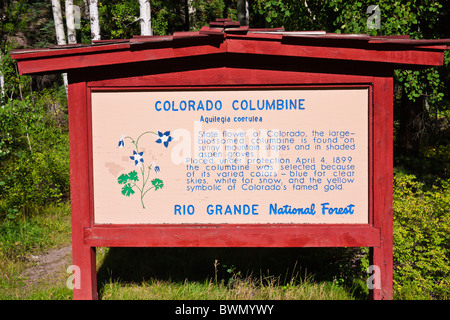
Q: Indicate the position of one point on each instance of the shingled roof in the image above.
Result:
(225, 36)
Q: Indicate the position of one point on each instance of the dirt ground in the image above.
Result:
(48, 268)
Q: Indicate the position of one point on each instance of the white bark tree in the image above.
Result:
(85, 9)
(242, 12)
(2, 82)
(191, 14)
(95, 23)
(60, 34)
(70, 22)
(146, 18)
(59, 25)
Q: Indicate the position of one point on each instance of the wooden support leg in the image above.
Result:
(381, 257)
(380, 279)
(85, 283)
(83, 256)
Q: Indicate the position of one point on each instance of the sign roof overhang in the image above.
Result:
(226, 37)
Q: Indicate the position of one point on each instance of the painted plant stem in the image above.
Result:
(130, 180)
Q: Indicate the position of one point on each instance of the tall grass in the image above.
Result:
(34, 229)
(31, 231)
(248, 288)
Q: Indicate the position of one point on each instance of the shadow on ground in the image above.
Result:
(198, 264)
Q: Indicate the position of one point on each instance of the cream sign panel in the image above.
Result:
(231, 156)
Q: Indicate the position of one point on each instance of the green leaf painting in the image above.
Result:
(124, 178)
(157, 183)
(127, 190)
(137, 181)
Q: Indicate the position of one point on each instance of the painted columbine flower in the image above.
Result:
(134, 182)
(122, 141)
(155, 167)
(164, 138)
(137, 157)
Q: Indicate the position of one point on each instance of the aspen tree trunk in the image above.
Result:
(70, 22)
(95, 23)
(85, 9)
(146, 18)
(60, 35)
(242, 12)
(191, 13)
(2, 82)
(59, 26)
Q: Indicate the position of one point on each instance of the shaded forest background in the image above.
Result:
(34, 165)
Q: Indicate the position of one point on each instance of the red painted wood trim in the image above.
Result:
(371, 153)
(380, 113)
(229, 76)
(56, 51)
(73, 60)
(385, 55)
(188, 44)
(383, 184)
(230, 87)
(232, 236)
(83, 256)
(90, 159)
(243, 87)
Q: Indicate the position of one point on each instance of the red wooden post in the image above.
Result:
(381, 256)
(83, 256)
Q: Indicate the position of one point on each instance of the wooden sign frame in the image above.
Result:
(230, 58)
(377, 234)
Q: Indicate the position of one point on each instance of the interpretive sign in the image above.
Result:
(232, 137)
(231, 156)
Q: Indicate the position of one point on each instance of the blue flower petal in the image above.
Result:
(164, 137)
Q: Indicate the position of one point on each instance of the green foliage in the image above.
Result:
(12, 17)
(341, 16)
(206, 11)
(421, 238)
(119, 19)
(34, 163)
(421, 83)
(19, 237)
(34, 229)
(15, 85)
(166, 17)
